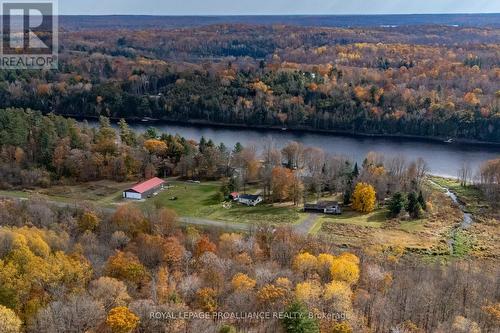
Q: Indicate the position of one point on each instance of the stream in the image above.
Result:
(466, 221)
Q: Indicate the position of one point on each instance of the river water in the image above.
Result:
(443, 159)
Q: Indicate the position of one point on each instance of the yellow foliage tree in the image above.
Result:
(338, 295)
(125, 266)
(122, 320)
(271, 294)
(364, 197)
(284, 282)
(342, 327)
(162, 285)
(337, 289)
(88, 221)
(324, 262)
(242, 282)
(308, 291)
(9, 322)
(350, 257)
(343, 269)
(28, 269)
(304, 263)
(206, 299)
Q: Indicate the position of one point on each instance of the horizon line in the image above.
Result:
(278, 15)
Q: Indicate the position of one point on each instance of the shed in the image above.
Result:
(326, 207)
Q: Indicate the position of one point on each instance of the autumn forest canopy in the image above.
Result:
(332, 244)
(433, 81)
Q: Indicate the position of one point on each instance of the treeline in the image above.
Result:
(328, 79)
(83, 270)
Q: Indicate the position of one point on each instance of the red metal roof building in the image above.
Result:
(144, 189)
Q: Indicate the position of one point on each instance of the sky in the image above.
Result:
(274, 7)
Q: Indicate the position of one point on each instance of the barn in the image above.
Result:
(145, 189)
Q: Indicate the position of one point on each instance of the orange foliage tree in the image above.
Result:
(204, 245)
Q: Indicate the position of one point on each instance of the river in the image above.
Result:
(443, 159)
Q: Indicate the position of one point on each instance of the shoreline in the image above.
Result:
(296, 130)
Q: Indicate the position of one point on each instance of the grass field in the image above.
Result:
(103, 193)
(427, 235)
(201, 200)
(375, 219)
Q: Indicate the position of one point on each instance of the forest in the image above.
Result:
(427, 81)
(411, 252)
(84, 270)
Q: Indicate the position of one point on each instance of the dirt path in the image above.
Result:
(306, 226)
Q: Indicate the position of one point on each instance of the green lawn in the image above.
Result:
(317, 227)
(375, 219)
(14, 194)
(200, 200)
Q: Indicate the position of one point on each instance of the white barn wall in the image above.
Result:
(132, 195)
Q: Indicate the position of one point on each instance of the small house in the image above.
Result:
(325, 207)
(145, 189)
(249, 200)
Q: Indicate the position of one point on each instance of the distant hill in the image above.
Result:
(164, 22)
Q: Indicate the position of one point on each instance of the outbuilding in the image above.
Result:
(145, 189)
(325, 207)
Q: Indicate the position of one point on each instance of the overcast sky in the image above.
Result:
(278, 7)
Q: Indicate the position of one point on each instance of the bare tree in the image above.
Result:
(79, 314)
(465, 174)
(294, 153)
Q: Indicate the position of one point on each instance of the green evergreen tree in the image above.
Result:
(237, 148)
(413, 206)
(347, 196)
(222, 148)
(297, 320)
(397, 204)
(355, 172)
(126, 134)
(203, 144)
(151, 133)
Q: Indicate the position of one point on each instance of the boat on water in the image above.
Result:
(449, 141)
